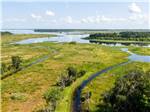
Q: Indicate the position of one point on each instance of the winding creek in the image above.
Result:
(76, 105)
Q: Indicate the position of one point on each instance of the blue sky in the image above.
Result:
(70, 14)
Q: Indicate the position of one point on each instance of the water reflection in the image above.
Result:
(135, 57)
(59, 38)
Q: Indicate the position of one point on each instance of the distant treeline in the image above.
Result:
(6, 33)
(133, 36)
(91, 30)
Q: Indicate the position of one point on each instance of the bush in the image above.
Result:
(81, 73)
(70, 76)
(64, 81)
(72, 72)
(131, 93)
(51, 96)
(16, 62)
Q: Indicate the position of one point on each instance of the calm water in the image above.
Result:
(135, 57)
(59, 38)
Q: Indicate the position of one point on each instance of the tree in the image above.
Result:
(64, 81)
(72, 72)
(6, 33)
(131, 93)
(85, 100)
(16, 62)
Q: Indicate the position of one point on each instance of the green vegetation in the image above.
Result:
(66, 79)
(127, 36)
(130, 93)
(14, 66)
(33, 89)
(5, 33)
(16, 61)
(51, 96)
(38, 78)
(124, 42)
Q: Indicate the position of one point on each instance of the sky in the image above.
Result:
(71, 14)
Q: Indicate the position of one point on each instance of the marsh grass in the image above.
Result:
(35, 80)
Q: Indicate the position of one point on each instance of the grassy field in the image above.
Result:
(23, 91)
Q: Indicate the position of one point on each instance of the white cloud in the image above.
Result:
(37, 17)
(50, 13)
(134, 8)
(101, 19)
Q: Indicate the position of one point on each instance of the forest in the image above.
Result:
(131, 36)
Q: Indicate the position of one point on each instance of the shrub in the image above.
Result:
(51, 96)
(81, 73)
(69, 76)
(64, 81)
(16, 62)
(72, 72)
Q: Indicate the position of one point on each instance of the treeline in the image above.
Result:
(6, 33)
(133, 36)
